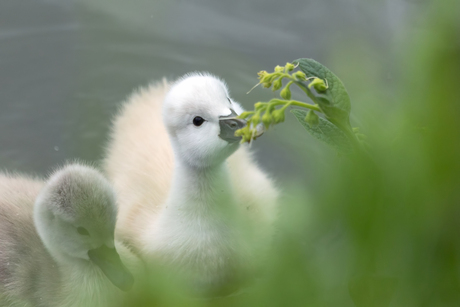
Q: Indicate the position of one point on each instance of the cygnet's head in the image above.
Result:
(75, 215)
(201, 120)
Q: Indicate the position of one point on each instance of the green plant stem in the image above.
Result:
(305, 89)
(277, 102)
(286, 106)
(299, 84)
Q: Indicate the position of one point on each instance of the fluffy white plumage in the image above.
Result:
(187, 197)
(46, 232)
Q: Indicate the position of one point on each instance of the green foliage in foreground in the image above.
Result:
(381, 229)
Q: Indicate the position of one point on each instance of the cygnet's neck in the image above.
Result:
(198, 212)
(197, 229)
(199, 190)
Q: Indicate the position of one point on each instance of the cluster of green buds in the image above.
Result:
(266, 114)
(334, 106)
(248, 133)
(257, 122)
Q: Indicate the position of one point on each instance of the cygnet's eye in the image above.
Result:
(83, 231)
(198, 121)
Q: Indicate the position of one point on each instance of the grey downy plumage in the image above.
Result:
(57, 241)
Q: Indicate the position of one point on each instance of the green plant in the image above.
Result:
(328, 94)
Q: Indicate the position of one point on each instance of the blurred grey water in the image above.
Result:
(65, 66)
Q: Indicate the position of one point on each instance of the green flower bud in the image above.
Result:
(255, 119)
(279, 68)
(286, 93)
(266, 78)
(277, 84)
(318, 84)
(267, 84)
(269, 78)
(267, 119)
(278, 116)
(249, 135)
(258, 105)
(262, 74)
(289, 66)
(240, 132)
(300, 75)
(243, 131)
(245, 134)
(312, 119)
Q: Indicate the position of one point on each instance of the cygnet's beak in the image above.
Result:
(228, 125)
(110, 263)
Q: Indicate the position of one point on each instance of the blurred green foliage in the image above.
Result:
(380, 230)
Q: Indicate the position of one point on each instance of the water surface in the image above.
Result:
(66, 66)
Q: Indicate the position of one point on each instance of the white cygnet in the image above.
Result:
(57, 241)
(189, 195)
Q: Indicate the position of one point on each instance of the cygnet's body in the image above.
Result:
(187, 195)
(56, 239)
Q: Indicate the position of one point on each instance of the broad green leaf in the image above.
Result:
(334, 102)
(325, 131)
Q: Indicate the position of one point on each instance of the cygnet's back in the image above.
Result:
(140, 162)
(21, 244)
(46, 257)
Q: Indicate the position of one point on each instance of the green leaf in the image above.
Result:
(334, 102)
(325, 131)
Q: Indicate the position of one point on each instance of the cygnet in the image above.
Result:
(57, 241)
(190, 196)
